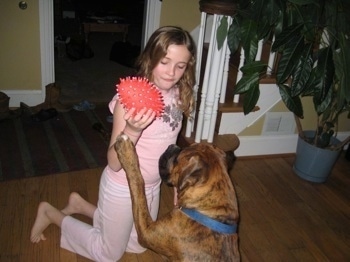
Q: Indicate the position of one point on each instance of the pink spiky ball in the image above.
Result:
(139, 93)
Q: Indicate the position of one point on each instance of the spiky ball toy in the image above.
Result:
(139, 93)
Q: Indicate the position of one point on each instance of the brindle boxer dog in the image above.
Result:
(203, 226)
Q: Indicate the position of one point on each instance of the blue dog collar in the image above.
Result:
(209, 222)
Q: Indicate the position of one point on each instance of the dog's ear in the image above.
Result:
(193, 173)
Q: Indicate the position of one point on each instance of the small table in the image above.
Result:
(107, 27)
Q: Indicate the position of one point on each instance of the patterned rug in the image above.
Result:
(68, 142)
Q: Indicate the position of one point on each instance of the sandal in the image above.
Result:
(84, 105)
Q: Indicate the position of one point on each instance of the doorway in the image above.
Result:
(92, 63)
(151, 16)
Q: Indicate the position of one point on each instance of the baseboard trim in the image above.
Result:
(272, 145)
(30, 97)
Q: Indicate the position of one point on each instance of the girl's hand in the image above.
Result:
(136, 123)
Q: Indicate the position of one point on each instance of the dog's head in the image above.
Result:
(198, 171)
(178, 165)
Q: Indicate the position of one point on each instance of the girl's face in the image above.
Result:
(171, 68)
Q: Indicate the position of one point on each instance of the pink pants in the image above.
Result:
(113, 231)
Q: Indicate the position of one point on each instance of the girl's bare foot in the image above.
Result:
(78, 205)
(42, 221)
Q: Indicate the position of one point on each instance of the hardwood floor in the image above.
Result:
(282, 218)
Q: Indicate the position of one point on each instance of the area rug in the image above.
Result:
(68, 142)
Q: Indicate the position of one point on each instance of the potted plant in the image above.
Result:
(312, 40)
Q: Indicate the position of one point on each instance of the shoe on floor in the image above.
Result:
(44, 114)
(26, 110)
(62, 108)
(109, 119)
(11, 114)
(84, 105)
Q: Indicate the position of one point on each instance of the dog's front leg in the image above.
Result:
(130, 163)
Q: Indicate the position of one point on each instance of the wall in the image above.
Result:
(308, 123)
(20, 46)
(20, 57)
(183, 13)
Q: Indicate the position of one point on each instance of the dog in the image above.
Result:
(203, 227)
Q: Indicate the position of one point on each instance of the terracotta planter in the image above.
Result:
(312, 163)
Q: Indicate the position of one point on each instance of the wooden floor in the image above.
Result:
(283, 218)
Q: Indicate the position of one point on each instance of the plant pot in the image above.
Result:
(312, 163)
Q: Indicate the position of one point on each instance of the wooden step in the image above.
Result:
(229, 106)
(228, 142)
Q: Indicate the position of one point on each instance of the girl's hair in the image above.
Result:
(156, 49)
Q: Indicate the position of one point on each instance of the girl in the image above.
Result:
(168, 61)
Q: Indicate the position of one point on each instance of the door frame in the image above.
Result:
(46, 17)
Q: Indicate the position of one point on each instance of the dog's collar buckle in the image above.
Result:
(209, 222)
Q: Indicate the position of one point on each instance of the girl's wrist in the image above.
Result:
(132, 133)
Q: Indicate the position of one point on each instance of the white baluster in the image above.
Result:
(239, 73)
(271, 62)
(259, 52)
(226, 68)
(215, 77)
(202, 105)
(217, 89)
(190, 121)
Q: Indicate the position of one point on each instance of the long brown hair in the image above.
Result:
(156, 49)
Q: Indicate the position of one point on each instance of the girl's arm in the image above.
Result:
(131, 125)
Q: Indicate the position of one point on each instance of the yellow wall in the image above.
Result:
(20, 46)
(20, 65)
(308, 123)
(183, 13)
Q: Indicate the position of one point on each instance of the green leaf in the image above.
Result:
(246, 83)
(309, 89)
(341, 59)
(221, 32)
(301, 75)
(287, 37)
(234, 36)
(254, 67)
(273, 10)
(249, 39)
(279, 25)
(289, 59)
(327, 114)
(306, 16)
(292, 103)
(322, 105)
(251, 98)
(267, 12)
(262, 13)
(324, 73)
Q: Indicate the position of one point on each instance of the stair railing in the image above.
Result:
(214, 83)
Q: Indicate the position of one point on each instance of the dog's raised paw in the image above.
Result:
(120, 140)
(125, 137)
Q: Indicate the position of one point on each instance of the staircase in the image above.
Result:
(229, 113)
(226, 141)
